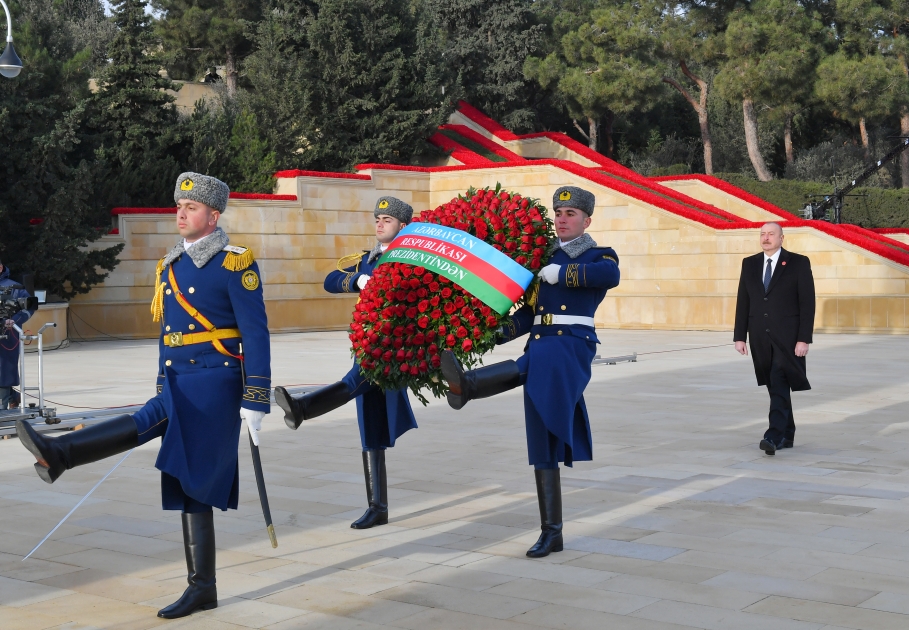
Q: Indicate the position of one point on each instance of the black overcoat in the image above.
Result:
(778, 319)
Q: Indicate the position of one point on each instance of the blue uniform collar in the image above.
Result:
(201, 252)
(576, 247)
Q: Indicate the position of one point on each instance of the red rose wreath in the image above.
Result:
(407, 315)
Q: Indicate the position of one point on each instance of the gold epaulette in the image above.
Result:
(157, 305)
(346, 261)
(238, 258)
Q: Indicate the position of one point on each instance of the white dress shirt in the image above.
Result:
(773, 261)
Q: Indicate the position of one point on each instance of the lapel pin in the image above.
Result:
(784, 263)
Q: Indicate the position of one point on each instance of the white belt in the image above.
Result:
(548, 320)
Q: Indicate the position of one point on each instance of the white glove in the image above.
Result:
(253, 420)
(362, 281)
(550, 273)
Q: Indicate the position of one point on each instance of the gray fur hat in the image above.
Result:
(574, 197)
(393, 207)
(202, 188)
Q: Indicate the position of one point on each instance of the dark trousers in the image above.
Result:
(782, 422)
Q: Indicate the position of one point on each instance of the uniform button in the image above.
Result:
(765, 299)
(559, 333)
(226, 363)
(541, 308)
(586, 337)
(192, 326)
(168, 291)
(564, 307)
(536, 336)
(167, 362)
(192, 361)
(192, 289)
(768, 330)
(167, 328)
(766, 315)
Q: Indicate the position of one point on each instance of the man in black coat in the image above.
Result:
(775, 309)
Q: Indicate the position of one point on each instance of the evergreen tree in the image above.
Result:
(605, 67)
(346, 82)
(199, 34)
(486, 42)
(134, 116)
(770, 47)
(49, 210)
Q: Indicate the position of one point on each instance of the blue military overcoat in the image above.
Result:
(200, 388)
(555, 367)
(383, 416)
(9, 347)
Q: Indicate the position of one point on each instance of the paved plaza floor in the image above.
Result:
(679, 522)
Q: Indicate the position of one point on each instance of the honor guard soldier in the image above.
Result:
(383, 416)
(208, 298)
(555, 367)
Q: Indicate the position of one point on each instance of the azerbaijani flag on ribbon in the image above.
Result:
(480, 269)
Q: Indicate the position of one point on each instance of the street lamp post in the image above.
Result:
(10, 64)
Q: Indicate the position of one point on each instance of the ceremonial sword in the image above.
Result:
(257, 467)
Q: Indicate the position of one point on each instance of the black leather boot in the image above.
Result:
(549, 494)
(480, 383)
(93, 443)
(312, 404)
(376, 490)
(199, 545)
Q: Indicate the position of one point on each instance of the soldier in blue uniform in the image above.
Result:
(208, 298)
(555, 367)
(383, 416)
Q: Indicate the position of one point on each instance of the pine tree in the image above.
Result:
(49, 207)
(346, 82)
(770, 47)
(487, 42)
(199, 34)
(134, 115)
(603, 68)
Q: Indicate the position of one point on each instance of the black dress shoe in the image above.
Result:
(768, 446)
(787, 443)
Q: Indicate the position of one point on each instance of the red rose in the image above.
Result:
(436, 314)
(398, 343)
(405, 368)
(477, 333)
(500, 237)
(398, 331)
(451, 341)
(462, 332)
(535, 263)
(443, 330)
(387, 356)
(436, 361)
(431, 335)
(485, 310)
(434, 300)
(428, 278)
(433, 349)
(467, 345)
(521, 260)
(434, 287)
(446, 293)
(423, 306)
(419, 270)
(449, 307)
(491, 320)
(423, 322)
(399, 356)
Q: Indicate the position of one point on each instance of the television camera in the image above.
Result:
(10, 305)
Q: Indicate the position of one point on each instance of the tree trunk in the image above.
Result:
(230, 73)
(593, 126)
(610, 146)
(787, 140)
(904, 158)
(863, 129)
(751, 139)
(705, 134)
(700, 107)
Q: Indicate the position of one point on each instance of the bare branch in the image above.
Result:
(578, 127)
(683, 91)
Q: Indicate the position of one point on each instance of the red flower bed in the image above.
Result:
(458, 151)
(407, 315)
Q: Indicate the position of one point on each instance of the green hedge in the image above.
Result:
(880, 207)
